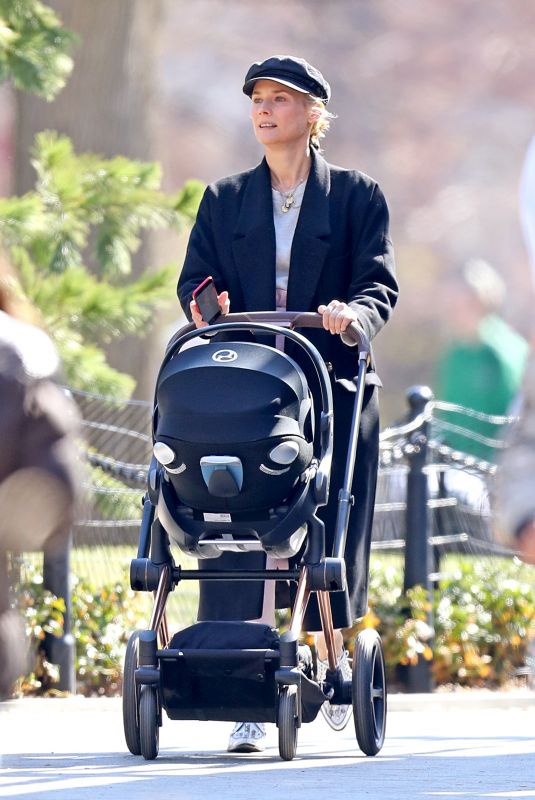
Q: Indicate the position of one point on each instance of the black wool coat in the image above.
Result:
(341, 250)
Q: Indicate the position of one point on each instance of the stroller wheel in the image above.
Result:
(369, 691)
(148, 723)
(131, 697)
(287, 722)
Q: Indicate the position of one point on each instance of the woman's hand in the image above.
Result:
(224, 305)
(337, 316)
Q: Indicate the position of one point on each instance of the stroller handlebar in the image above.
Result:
(298, 319)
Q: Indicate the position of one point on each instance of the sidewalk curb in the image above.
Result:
(464, 700)
(461, 701)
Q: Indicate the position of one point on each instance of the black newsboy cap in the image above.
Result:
(291, 71)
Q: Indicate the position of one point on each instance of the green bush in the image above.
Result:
(482, 616)
(102, 621)
(483, 623)
(43, 614)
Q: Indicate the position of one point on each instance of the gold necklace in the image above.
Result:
(289, 198)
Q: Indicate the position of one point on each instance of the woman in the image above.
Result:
(299, 234)
(39, 474)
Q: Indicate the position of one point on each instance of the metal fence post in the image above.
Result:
(60, 650)
(418, 555)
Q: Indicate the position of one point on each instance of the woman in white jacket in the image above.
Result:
(38, 461)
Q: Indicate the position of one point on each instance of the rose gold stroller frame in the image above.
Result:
(316, 573)
(293, 320)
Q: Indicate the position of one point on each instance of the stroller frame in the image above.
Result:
(151, 672)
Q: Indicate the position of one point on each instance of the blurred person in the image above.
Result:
(296, 233)
(527, 204)
(482, 366)
(516, 476)
(38, 460)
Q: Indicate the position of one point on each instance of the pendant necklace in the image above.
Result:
(289, 200)
(288, 197)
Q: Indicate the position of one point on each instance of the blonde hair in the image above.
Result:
(12, 298)
(321, 125)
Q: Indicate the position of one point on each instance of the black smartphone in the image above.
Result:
(205, 295)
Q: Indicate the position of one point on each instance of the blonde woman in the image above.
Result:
(299, 234)
(38, 457)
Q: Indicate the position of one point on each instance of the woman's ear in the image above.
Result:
(314, 113)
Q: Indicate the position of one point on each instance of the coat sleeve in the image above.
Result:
(516, 472)
(201, 256)
(373, 291)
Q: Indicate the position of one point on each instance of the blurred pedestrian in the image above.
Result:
(527, 203)
(483, 364)
(516, 476)
(38, 459)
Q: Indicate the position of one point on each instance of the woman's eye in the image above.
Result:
(280, 98)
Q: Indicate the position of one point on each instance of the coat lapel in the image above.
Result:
(311, 239)
(254, 243)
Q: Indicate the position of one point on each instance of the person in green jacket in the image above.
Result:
(482, 367)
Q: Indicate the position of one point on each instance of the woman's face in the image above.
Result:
(280, 115)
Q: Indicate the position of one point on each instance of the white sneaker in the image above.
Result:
(247, 737)
(337, 716)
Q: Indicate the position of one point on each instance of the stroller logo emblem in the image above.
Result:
(224, 356)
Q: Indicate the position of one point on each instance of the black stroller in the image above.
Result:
(237, 467)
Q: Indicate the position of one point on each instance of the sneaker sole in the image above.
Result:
(335, 726)
(245, 748)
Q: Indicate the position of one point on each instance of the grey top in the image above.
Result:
(285, 222)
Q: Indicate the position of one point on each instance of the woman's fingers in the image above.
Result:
(196, 315)
(224, 302)
(336, 316)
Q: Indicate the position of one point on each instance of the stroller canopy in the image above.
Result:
(219, 393)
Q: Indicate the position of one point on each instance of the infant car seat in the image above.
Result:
(233, 429)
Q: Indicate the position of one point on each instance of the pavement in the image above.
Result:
(470, 744)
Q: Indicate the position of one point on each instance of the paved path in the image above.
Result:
(469, 746)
